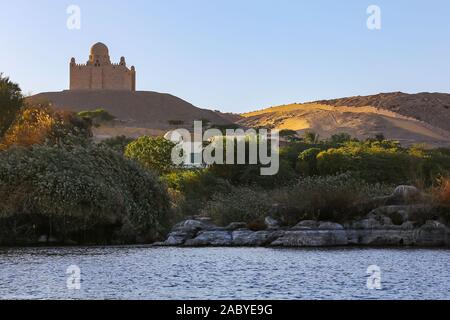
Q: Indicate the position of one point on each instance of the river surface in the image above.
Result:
(223, 273)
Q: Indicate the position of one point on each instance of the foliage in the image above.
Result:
(311, 137)
(193, 188)
(85, 194)
(292, 151)
(307, 162)
(11, 100)
(40, 124)
(441, 192)
(334, 198)
(153, 153)
(242, 204)
(117, 144)
(290, 135)
(97, 116)
(250, 174)
(341, 138)
(374, 161)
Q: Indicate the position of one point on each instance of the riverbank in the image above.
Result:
(367, 232)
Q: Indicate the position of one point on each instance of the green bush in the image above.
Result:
(11, 100)
(193, 188)
(307, 162)
(373, 161)
(242, 204)
(97, 116)
(152, 153)
(117, 144)
(384, 161)
(334, 198)
(86, 194)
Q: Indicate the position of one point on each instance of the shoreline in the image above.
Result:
(308, 234)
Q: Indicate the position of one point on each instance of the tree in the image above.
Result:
(11, 100)
(97, 116)
(40, 124)
(307, 162)
(311, 137)
(152, 153)
(340, 138)
(289, 135)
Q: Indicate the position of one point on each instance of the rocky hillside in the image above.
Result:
(417, 118)
(432, 108)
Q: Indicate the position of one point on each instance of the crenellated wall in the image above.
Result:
(100, 74)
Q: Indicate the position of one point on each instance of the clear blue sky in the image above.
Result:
(236, 55)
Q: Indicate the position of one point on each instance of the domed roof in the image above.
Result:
(99, 49)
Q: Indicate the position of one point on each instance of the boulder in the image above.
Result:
(186, 230)
(193, 226)
(400, 214)
(330, 226)
(408, 225)
(236, 226)
(306, 225)
(271, 223)
(249, 238)
(433, 233)
(405, 195)
(312, 238)
(380, 237)
(211, 238)
(370, 223)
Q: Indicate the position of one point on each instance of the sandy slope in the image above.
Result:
(359, 121)
(139, 113)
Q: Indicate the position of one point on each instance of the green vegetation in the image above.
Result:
(117, 144)
(11, 100)
(152, 153)
(40, 124)
(97, 116)
(87, 195)
(56, 182)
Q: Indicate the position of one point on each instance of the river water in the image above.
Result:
(223, 273)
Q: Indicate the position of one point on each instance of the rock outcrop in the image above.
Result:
(397, 220)
(372, 231)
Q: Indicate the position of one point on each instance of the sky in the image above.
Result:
(235, 55)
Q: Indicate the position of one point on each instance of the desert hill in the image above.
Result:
(138, 113)
(433, 108)
(419, 118)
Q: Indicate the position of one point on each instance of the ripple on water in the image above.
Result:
(223, 273)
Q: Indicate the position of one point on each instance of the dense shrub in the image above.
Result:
(191, 189)
(40, 124)
(11, 100)
(97, 116)
(373, 161)
(152, 153)
(242, 204)
(117, 144)
(441, 192)
(333, 198)
(291, 152)
(307, 162)
(86, 194)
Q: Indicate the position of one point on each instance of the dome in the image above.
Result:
(99, 49)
